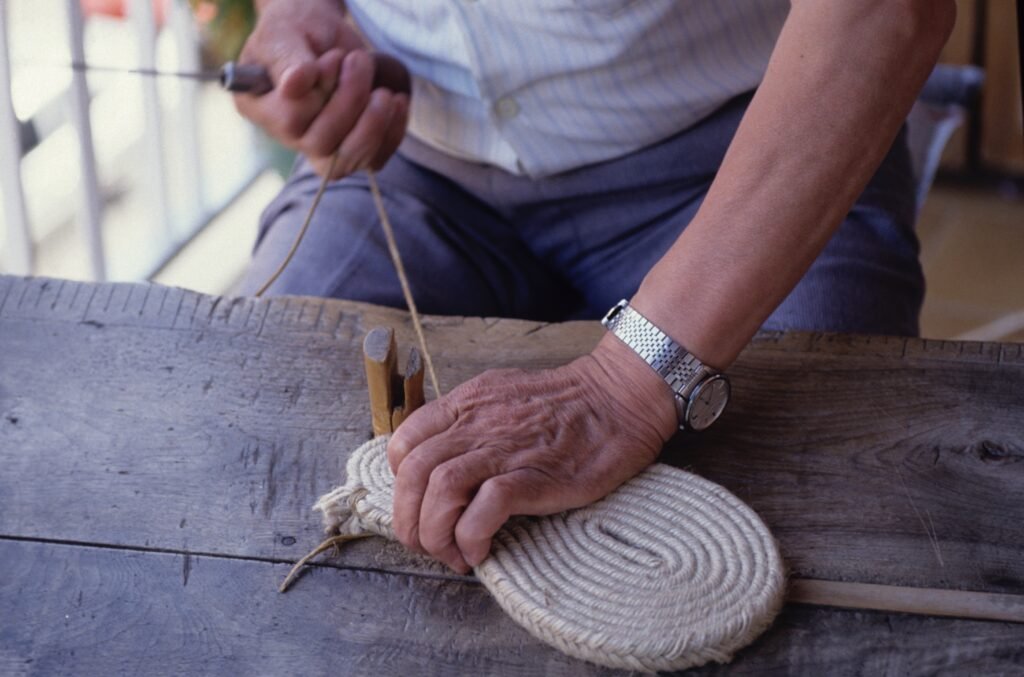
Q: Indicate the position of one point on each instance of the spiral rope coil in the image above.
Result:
(670, 571)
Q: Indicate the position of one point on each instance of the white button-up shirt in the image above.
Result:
(539, 87)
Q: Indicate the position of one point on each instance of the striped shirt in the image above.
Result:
(538, 87)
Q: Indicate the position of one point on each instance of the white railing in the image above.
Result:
(91, 210)
(142, 185)
(17, 247)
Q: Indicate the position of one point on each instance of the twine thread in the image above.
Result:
(396, 259)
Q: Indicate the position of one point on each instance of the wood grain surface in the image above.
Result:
(92, 611)
(155, 423)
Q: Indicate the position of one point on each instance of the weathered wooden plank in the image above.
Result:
(141, 416)
(868, 466)
(180, 421)
(87, 611)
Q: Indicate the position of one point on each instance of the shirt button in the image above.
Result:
(507, 107)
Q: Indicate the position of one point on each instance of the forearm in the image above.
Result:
(839, 85)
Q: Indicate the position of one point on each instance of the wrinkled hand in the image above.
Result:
(323, 98)
(524, 443)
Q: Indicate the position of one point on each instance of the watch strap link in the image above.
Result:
(681, 370)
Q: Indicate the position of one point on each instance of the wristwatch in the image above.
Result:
(701, 393)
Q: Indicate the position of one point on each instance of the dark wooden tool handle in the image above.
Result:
(254, 79)
(244, 78)
(390, 73)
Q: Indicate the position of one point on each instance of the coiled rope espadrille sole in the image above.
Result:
(670, 571)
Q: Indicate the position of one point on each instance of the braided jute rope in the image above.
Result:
(670, 571)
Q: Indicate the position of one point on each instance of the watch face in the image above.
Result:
(707, 402)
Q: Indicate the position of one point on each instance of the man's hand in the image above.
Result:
(323, 98)
(524, 443)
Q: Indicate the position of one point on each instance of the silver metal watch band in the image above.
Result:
(681, 370)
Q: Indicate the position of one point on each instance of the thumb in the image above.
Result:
(293, 65)
(298, 80)
(329, 70)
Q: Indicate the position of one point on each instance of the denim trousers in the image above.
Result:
(478, 241)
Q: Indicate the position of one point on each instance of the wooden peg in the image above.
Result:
(393, 398)
(380, 362)
(412, 390)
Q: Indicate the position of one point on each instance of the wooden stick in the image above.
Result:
(412, 390)
(380, 361)
(926, 601)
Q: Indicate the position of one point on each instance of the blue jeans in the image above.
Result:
(479, 241)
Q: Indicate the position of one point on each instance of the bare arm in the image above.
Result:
(840, 84)
(842, 78)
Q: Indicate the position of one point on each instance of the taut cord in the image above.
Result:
(396, 259)
(302, 231)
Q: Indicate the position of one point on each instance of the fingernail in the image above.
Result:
(355, 59)
(288, 72)
(380, 99)
(474, 559)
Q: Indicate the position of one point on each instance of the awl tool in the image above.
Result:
(255, 79)
(234, 77)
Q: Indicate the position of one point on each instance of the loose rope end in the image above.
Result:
(331, 542)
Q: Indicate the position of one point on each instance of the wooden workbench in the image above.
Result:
(160, 451)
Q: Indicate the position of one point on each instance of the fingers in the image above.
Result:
(287, 54)
(300, 97)
(343, 109)
(428, 421)
(283, 112)
(298, 81)
(435, 485)
(467, 501)
(509, 443)
(329, 70)
(364, 127)
(411, 485)
(364, 145)
(450, 488)
(323, 101)
(496, 501)
(360, 146)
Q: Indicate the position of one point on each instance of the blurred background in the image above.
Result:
(115, 176)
